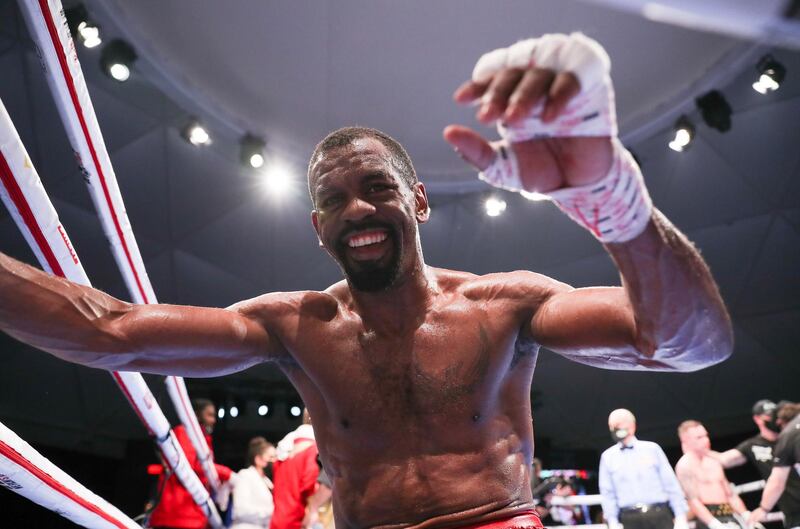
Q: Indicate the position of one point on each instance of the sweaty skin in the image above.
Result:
(419, 392)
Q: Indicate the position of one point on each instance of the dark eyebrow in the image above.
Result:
(377, 175)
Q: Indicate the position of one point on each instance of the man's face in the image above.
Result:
(366, 215)
(696, 440)
(208, 418)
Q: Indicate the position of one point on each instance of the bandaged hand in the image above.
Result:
(552, 101)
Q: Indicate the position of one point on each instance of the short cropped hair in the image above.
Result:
(347, 135)
(685, 426)
(198, 405)
(255, 448)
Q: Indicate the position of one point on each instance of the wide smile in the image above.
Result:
(369, 244)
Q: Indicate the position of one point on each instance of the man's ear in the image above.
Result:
(422, 207)
(315, 223)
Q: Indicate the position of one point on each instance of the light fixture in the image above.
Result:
(684, 134)
(195, 133)
(715, 109)
(770, 75)
(295, 411)
(221, 413)
(116, 60)
(263, 410)
(82, 27)
(276, 179)
(495, 206)
(234, 411)
(252, 151)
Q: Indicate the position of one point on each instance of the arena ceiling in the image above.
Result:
(291, 72)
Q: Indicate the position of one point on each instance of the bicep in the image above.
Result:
(593, 326)
(189, 341)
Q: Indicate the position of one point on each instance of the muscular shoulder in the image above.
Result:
(523, 286)
(277, 309)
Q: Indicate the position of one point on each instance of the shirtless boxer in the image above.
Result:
(711, 497)
(418, 378)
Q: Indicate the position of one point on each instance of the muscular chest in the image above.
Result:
(437, 367)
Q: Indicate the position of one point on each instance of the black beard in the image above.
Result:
(369, 276)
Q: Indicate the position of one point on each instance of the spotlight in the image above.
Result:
(252, 152)
(221, 413)
(295, 411)
(277, 179)
(715, 110)
(195, 133)
(116, 60)
(234, 411)
(263, 410)
(81, 26)
(771, 74)
(495, 206)
(684, 134)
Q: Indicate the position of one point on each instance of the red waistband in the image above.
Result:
(525, 520)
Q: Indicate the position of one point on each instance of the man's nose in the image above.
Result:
(358, 209)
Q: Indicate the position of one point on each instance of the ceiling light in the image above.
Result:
(277, 179)
(716, 110)
(252, 151)
(771, 74)
(116, 60)
(234, 411)
(82, 27)
(295, 411)
(221, 413)
(495, 206)
(263, 410)
(195, 133)
(684, 134)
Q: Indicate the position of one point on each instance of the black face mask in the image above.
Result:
(772, 423)
(268, 471)
(618, 434)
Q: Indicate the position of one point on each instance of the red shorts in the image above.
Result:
(525, 520)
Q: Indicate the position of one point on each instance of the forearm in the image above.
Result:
(701, 511)
(68, 320)
(680, 317)
(774, 487)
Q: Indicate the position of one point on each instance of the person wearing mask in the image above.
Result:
(758, 451)
(786, 462)
(252, 491)
(638, 488)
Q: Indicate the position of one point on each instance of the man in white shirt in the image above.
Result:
(252, 490)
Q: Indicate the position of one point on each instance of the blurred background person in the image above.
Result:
(175, 508)
(252, 489)
(637, 484)
(295, 475)
(711, 497)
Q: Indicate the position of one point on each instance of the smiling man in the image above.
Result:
(418, 378)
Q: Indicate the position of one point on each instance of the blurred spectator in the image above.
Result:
(176, 509)
(252, 489)
(638, 487)
(786, 461)
(295, 476)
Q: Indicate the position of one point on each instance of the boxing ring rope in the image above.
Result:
(595, 499)
(26, 472)
(24, 196)
(48, 27)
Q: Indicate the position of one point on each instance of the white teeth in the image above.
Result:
(364, 240)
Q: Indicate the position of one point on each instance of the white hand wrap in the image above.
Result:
(618, 207)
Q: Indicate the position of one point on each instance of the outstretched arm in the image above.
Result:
(552, 101)
(83, 325)
(668, 315)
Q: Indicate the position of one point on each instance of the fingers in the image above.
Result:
(530, 90)
(495, 99)
(565, 86)
(470, 145)
(512, 93)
